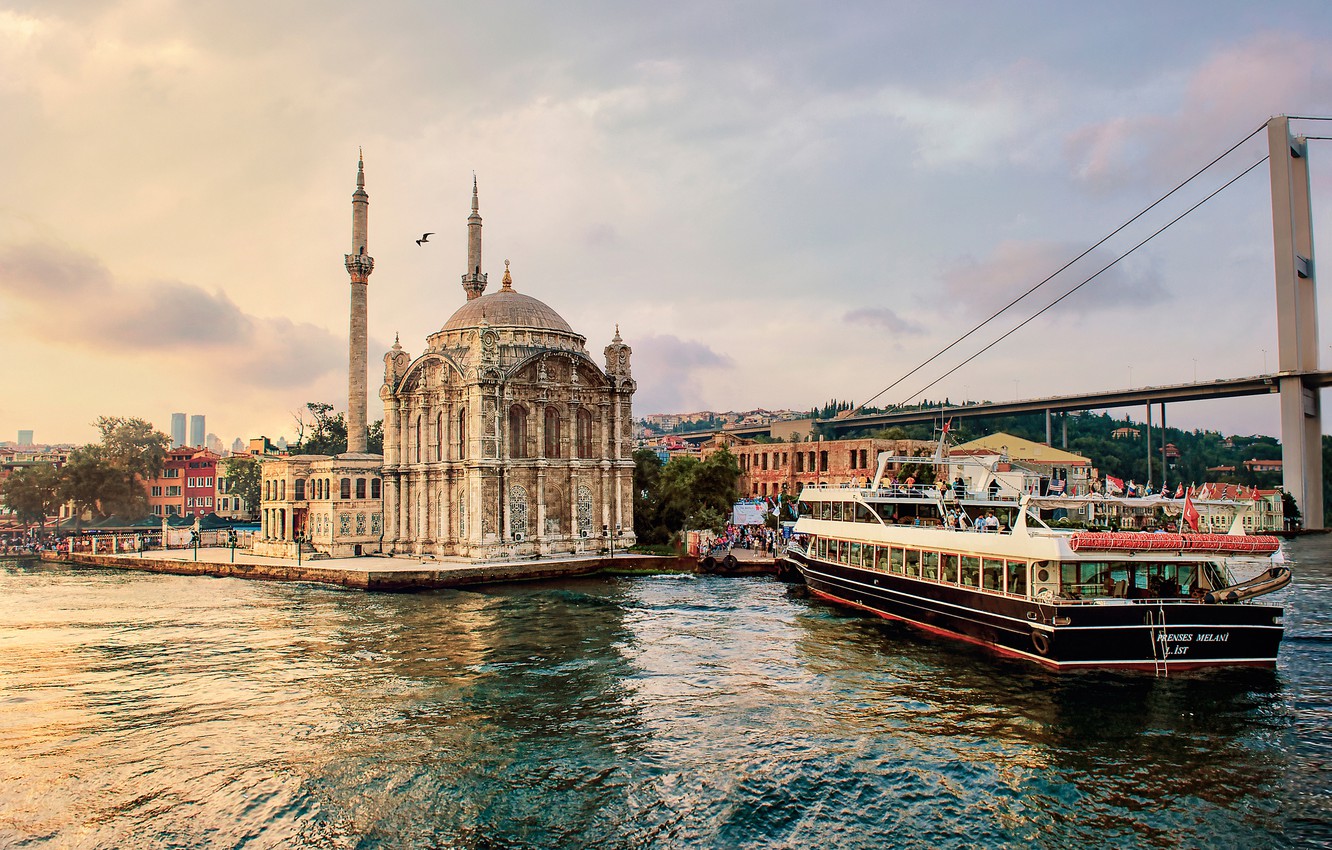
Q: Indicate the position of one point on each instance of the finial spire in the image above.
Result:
(476, 204)
(508, 279)
(617, 333)
(360, 168)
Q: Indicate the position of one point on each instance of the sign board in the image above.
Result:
(746, 513)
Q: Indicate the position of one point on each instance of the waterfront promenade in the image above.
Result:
(373, 573)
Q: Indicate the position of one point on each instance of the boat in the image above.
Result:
(1065, 599)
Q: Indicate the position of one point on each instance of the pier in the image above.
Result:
(373, 574)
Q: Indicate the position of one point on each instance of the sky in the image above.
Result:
(778, 203)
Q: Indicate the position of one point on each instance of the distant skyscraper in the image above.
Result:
(177, 430)
(197, 430)
(213, 443)
(282, 444)
(238, 447)
(25, 438)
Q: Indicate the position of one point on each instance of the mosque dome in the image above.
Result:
(507, 308)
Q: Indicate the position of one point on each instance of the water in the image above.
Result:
(142, 711)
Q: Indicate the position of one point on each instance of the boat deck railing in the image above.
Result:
(927, 493)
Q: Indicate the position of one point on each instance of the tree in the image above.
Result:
(85, 479)
(32, 493)
(324, 433)
(108, 477)
(374, 440)
(246, 475)
(697, 494)
(648, 525)
(133, 446)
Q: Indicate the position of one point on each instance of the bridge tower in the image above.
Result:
(1297, 321)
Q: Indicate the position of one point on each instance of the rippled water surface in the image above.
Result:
(140, 711)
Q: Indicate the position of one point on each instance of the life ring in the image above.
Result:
(1041, 641)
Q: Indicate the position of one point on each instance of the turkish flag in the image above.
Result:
(1190, 512)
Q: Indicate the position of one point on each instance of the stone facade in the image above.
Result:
(768, 469)
(504, 438)
(328, 505)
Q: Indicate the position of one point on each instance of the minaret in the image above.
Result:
(359, 266)
(474, 282)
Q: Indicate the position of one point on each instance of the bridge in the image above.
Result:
(1297, 381)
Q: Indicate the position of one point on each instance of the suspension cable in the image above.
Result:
(1107, 238)
(1105, 268)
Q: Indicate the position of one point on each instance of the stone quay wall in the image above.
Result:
(382, 576)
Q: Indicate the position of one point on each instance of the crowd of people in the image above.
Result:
(756, 537)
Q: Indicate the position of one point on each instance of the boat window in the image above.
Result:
(992, 574)
(1069, 585)
(912, 557)
(895, 560)
(881, 558)
(855, 554)
(863, 514)
(970, 571)
(1187, 576)
(837, 510)
(929, 565)
(1017, 577)
(822, 550)
(948, 568)
(825, 510)
(884, 510)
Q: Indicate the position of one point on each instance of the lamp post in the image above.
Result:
(300, 539)
(194, 541)
(231, 539)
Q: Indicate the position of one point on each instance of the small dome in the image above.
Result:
(507, 308)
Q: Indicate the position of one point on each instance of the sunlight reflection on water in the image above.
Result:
(146, 711)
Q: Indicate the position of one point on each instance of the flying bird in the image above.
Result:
(425, 237)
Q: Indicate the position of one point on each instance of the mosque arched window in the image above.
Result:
(346, 488)
(300, 490)
(360, 488)
(518, 431)
(374, 488)
(462, 433)
(419, 437)
(439, 436)
(282, 490)
(584, 432)
(552, 433)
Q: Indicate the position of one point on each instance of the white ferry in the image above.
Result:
(1064, 599)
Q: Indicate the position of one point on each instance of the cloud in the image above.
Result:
(665, 368)
(1221, 100)
(980, 287)
(42, 272)
(99, 314)
(883, 318)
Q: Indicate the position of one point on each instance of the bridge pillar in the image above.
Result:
(1297, 321)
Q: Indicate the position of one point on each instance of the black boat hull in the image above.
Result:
(1154, 635)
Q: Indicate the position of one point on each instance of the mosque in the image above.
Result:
(502, 439)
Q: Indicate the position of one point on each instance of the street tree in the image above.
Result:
(32, 493)
(133, 446)
(85, 480)
(245, 474)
